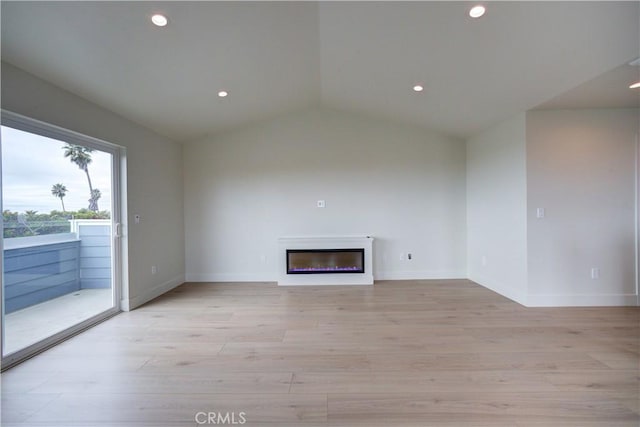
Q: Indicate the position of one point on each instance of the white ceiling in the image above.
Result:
(608, 90)
(362, 57)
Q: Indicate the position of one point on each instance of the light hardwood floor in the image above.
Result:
(407, 353)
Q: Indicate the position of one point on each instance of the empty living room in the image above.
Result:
(320, 213)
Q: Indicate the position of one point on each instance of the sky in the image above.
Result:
(32, 164)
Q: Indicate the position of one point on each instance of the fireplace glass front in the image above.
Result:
(319, 261)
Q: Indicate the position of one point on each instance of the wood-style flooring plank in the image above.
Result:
(138, 407)
(441, 353)
(434, 406)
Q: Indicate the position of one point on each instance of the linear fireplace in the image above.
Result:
(325, 261)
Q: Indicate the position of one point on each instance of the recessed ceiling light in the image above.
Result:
(418, 88)
(636, 85)
(223, 93)
(477, 11)
(159, 20)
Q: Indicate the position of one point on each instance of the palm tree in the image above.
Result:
(59, 190)
(81, 156)
(93, 202)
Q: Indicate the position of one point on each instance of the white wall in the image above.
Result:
(413, 190)
(154, 178)
(496, 209)
(581, 167)
(402, 185)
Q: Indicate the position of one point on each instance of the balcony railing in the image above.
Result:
(40, 268)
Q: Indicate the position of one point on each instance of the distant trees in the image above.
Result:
(32, 223)
(81, 156)
(59, 190)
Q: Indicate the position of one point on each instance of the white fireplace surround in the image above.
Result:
(325, 242)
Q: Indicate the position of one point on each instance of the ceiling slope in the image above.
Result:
(167, 79)
(475, 72)
(274, 58)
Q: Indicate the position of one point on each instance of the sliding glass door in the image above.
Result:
(60, 242)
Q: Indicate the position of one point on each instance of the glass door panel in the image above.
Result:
(58, 236)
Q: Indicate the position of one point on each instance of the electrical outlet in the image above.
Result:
(321, 204)
(154, 269)
(595, 273)
(402, 256)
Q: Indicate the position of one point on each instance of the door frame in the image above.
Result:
(118, 243)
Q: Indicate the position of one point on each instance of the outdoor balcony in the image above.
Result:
(52, 282)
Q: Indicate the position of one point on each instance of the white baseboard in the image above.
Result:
(230, 277)
(550, 300)
(497, 287)
(609, 300)
(381, 275)
(605, 300)
(132, 303)
(419, 275)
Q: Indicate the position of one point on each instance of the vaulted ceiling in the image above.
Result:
(361, 57)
